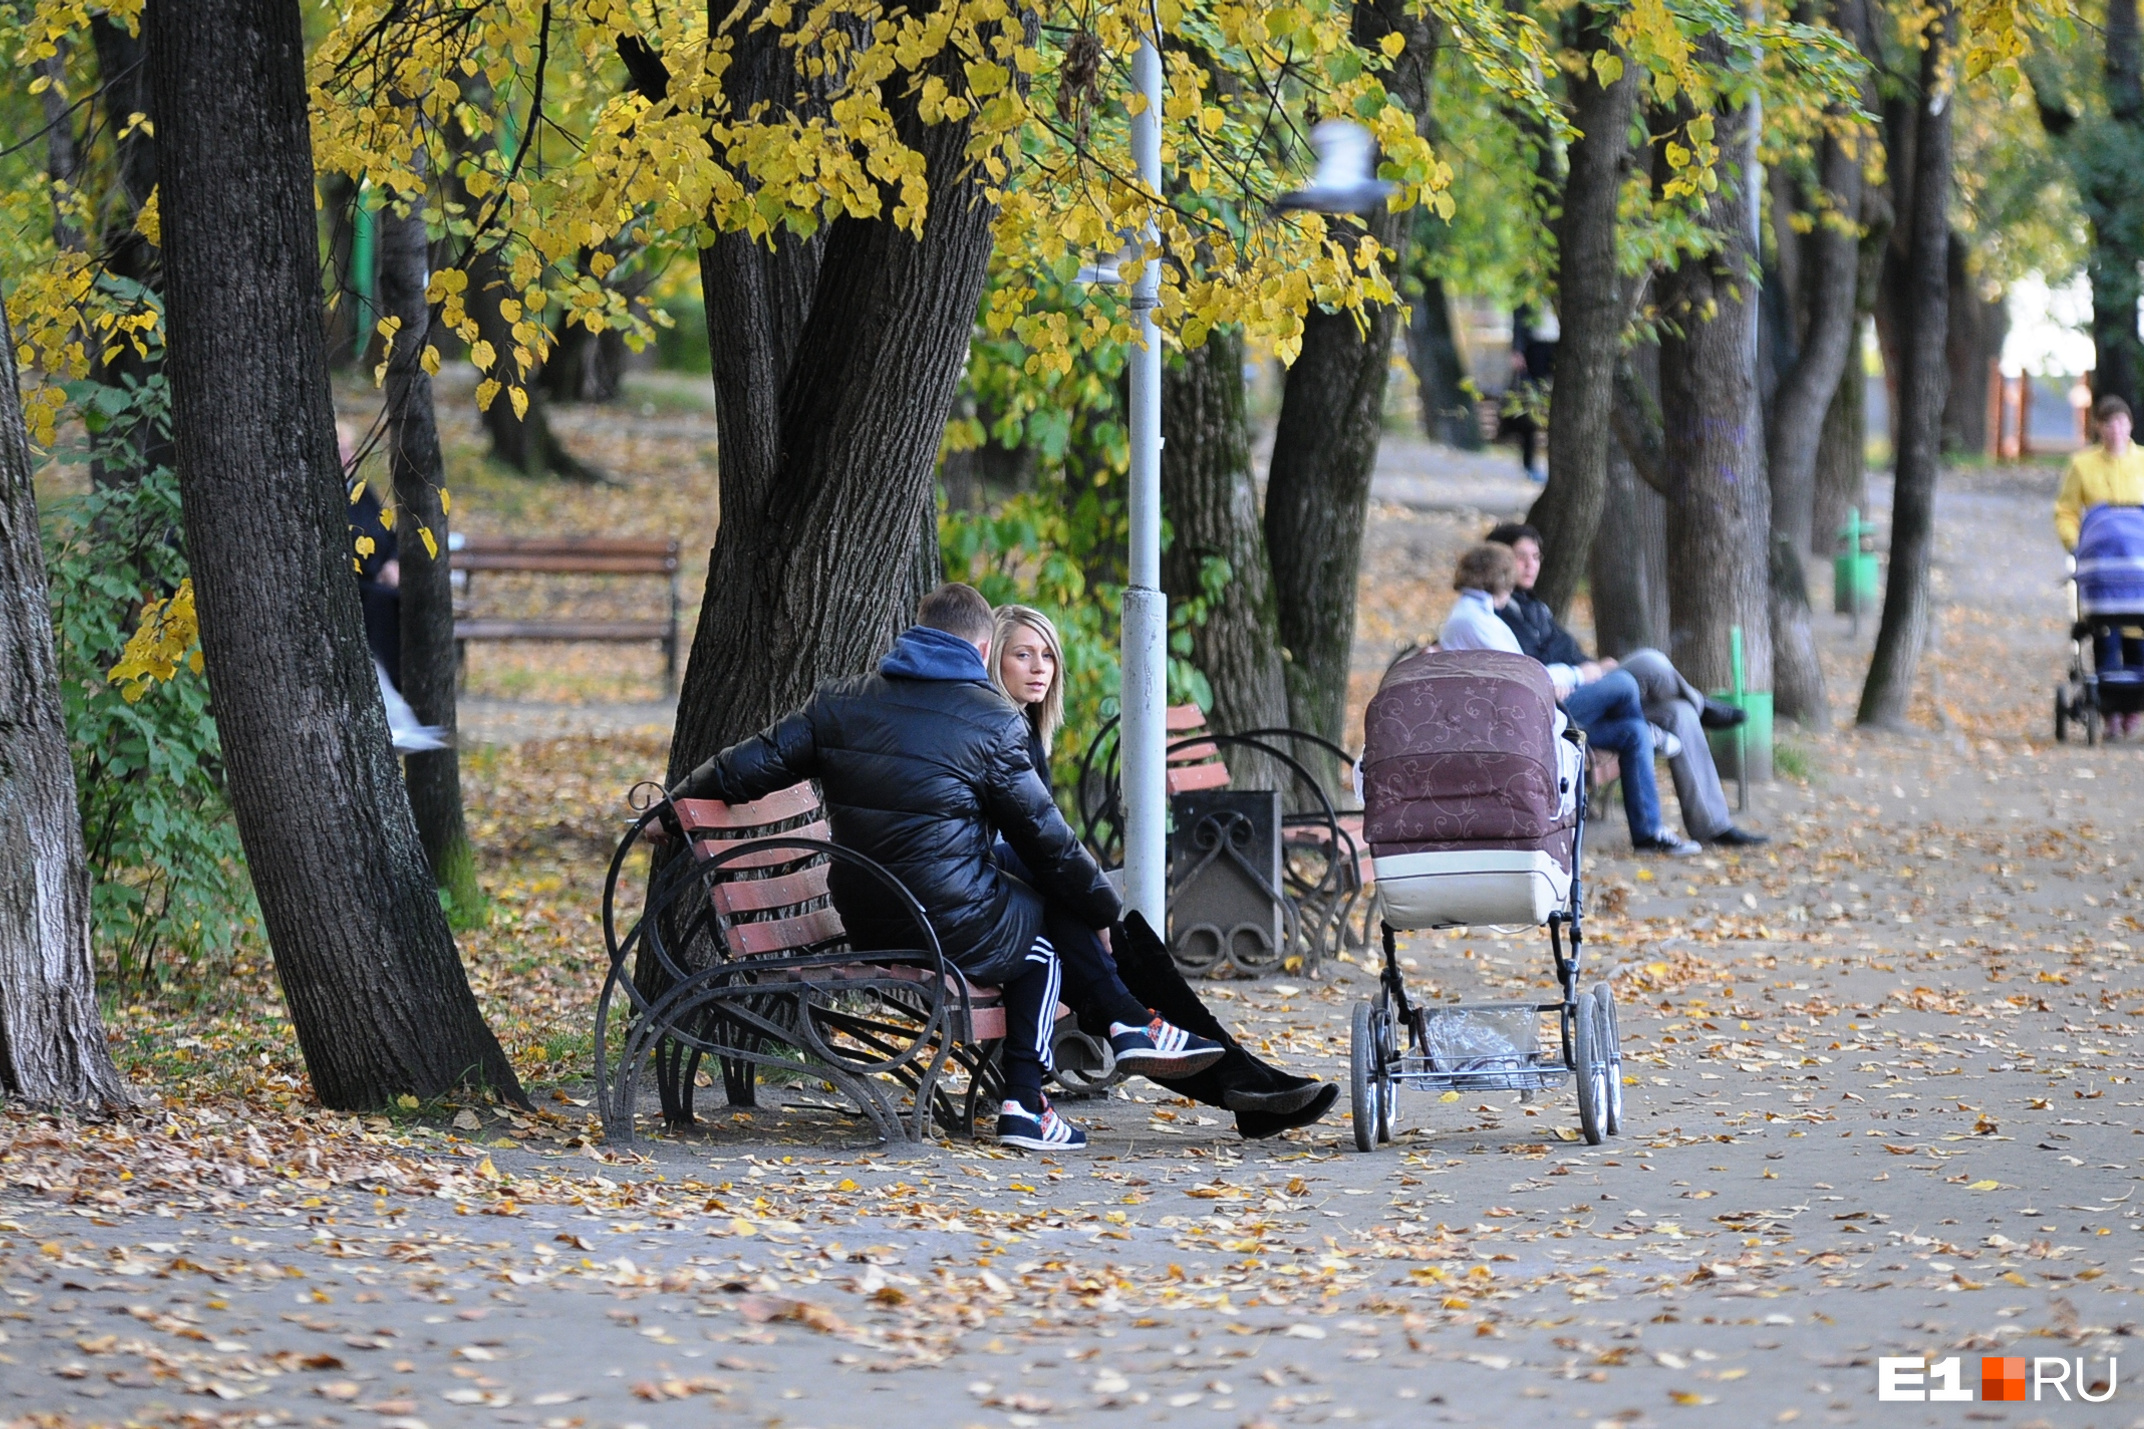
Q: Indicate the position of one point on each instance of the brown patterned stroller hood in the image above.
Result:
(1463, 754)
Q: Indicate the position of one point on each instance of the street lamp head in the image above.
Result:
(1345, 181)
(1108, 272)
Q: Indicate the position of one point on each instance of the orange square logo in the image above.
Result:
(2002, 1377)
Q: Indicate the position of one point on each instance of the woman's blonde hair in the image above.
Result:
(1047, 714)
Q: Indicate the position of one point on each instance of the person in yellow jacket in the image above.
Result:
(2110, 474)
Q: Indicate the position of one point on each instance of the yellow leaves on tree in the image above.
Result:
(168, 636)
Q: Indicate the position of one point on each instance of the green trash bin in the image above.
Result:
(1855, 570)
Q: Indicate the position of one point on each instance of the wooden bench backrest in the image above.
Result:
(1194, 762)
(569, 555)
(797, 882)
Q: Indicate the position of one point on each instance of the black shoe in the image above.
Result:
(1738, 838)
(1283, 1101)
(1718, 714)
(1258, 1125)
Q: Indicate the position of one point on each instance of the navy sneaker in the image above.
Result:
(1037, 1131)
(1162, 1049)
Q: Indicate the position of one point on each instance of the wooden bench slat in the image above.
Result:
(1182, 719)
(783, 935)
(757, 895)
(590, 565)
(493, 545)
(1194, 753)
(1187, 777)
(485, 628)
(766, 857)
(702, 815)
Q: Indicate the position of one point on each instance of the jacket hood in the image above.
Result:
(922, 653)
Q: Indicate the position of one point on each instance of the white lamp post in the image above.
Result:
(1143, 738)
(1343, 184)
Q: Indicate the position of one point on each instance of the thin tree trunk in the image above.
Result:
(433, 777)
(1439, 374)
(1972, 345)
(1719, 504)
(1325, 442)
(835, 364)
(63, 147)
(1630, 558)
(52, 1047)
(1923, 374)
(1211, 495)
(2116, 214)
(125, 251)
(368, 967)
(520, 439)
(1842, 483)
(1589, 302)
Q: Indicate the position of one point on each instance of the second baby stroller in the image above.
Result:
(2106, 589)
(1474, 807)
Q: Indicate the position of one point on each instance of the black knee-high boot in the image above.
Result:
(1266, 1100)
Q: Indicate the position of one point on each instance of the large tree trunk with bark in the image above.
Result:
(1922, 316)
(52, 1047)
(835, 363)
(1211, 495)
(433, 777)
(368, 967)
(1719, 504)
(1325, 443)
(1590, 304)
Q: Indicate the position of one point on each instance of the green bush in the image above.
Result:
(169, 884)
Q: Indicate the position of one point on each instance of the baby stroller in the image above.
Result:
(1475, 812)
(2106, 597)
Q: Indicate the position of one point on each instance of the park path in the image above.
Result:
(1882, 1101)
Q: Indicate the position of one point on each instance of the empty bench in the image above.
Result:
(739, 956)
(567, 556)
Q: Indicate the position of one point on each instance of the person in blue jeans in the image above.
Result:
(1605, 704)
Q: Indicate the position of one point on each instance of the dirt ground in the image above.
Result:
(1894, 1046)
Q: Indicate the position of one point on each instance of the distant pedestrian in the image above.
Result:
(1534, 335)
(2110, 473)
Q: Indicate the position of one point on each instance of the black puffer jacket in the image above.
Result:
(1539, 634)
(921, 766)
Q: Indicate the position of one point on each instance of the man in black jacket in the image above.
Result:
(921, 766)
(1671, 702)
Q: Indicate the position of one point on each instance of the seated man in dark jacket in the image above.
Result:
(1670, 702)
(921, 766)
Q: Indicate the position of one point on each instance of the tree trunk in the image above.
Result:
(2115, 211)
(1973, 344)
(1831, 269)
(126, 252)
(1719, 504)
(1630, 558)
(433, 777)
(835, 363)
(1439, 374)
(1841, 482)
(1325, 443)
(63, 147)
(522, 440)
(1924, 315)
(1208, 489)
(52, 1047)
(367, 964)
(585, 366)
(1589, 302)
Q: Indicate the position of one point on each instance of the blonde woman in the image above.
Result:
(1028, 666)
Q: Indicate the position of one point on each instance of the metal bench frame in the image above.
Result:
(738, 955)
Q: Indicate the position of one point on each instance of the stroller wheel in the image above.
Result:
(1591, 1071)
(1611, 1039)
(1365, 1085)
(2062, 715)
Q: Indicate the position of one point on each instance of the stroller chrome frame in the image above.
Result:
(1588, 1045)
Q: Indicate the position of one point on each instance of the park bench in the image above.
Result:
(739, 956)
(566, 556)
(1325, 865)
